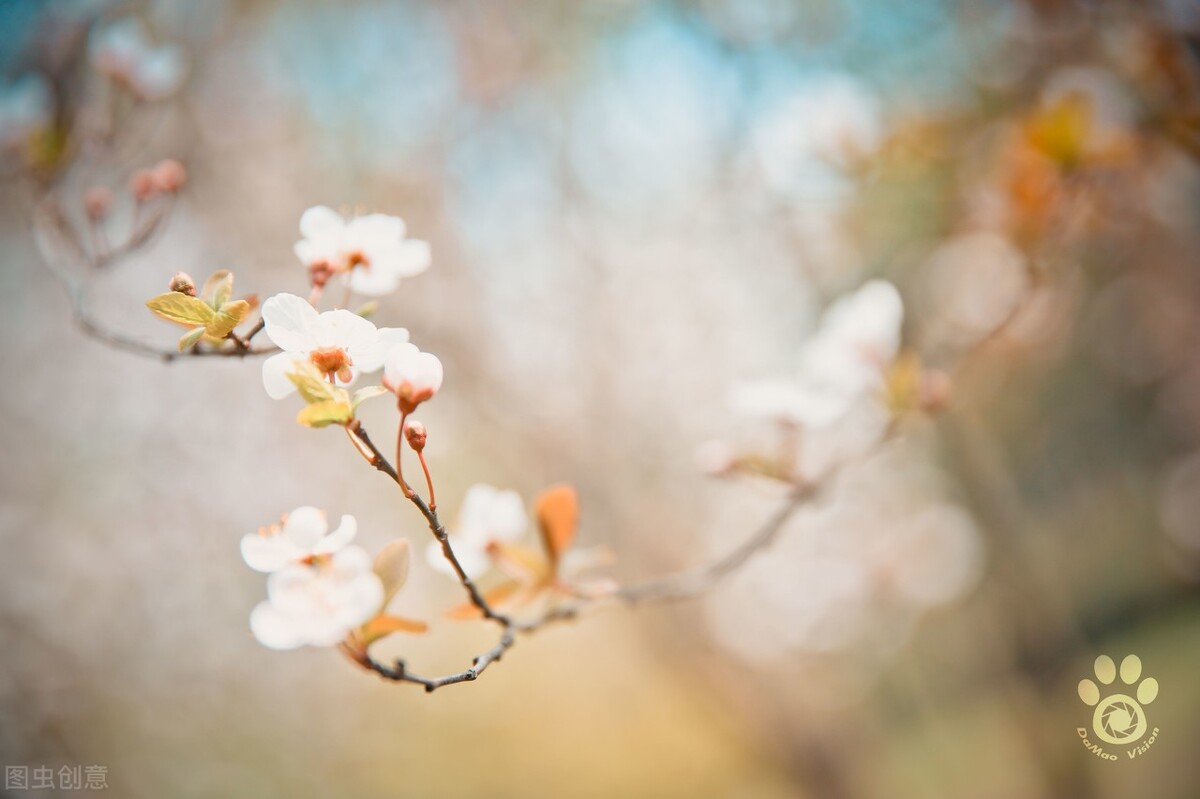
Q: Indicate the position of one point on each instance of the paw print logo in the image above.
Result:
(1119, 718)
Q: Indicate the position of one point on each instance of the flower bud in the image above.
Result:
(183, 283)
(169, 176)
(935, 391)
(413, 376)
(319, 273)
(143, 185)
(97, 201)
(415, 434)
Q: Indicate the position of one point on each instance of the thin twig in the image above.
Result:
(55, 223)
(681, 585)
(374, 457)
(398, 672)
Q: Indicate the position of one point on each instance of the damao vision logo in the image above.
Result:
(1119, 718)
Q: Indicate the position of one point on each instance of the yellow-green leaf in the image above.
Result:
(312, 385)
(229, 317)
(364, 394)
(189, 339)
(368, 309)
(323, 414)
(181, 309)
(218, 288)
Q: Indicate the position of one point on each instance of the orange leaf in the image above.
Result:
(558, 516)
(383, 625)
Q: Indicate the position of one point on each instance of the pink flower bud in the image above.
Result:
(413, 376)
(97, 201)
(183, 283)
(143, 185)
(169, 176)
(935, 391)
(416, 434)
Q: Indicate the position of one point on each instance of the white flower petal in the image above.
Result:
(339, 538)
(508, 519)
(411, 258)
(375, 280)
(359, 600)
(321, 223)
(267, 553)
(348, 330)
(371, 359)
(291, 323)
(275, 374)
(407, 365)
(351, 561)
(490, 514)
(159, 73)
(374, 230)
(291, 589)
(274, 629)
(305, 526)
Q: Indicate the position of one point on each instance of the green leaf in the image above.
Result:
(181, 309)
(364, 394)
(189, 339)
(312, 385)
(323, 414)
(229, 317)
(218, 288)
(368, 309)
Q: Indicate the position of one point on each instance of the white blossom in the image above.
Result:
(414, 376)
(488, 515)
(845, 360)
(339, 343)
(122, 51)
(372, 249)
(318, 603)
(302, 535)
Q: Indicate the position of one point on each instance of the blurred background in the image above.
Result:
(631, 206)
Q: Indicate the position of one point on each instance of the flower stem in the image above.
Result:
(408, 492)
(428, 480)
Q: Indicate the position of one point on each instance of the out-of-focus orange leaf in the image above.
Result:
(383, 625)
(558, 516)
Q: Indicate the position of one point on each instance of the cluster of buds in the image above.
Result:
(164, 178)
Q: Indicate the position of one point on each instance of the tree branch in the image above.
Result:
(398, 672)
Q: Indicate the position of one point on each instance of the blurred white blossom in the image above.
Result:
(487, 515)
(319, 603)
(857, 573)
(806, 142)
(339, 343)
(372, 249)
(300, 536)
(976, 281)
(844, 361)
(122, 51)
